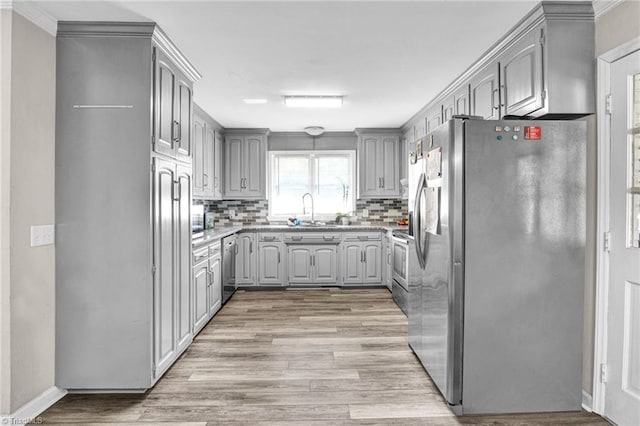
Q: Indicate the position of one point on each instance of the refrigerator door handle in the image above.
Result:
(417, 226)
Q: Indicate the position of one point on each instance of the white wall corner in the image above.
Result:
(600, 7)
(587, 401)
(30, 411)
(33, 13)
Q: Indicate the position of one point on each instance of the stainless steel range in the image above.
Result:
(400, 266)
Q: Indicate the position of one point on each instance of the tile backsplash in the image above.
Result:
(255, 212)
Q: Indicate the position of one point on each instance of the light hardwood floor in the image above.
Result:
(307, 357)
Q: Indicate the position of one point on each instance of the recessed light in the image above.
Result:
(313, 101)
(255, 101)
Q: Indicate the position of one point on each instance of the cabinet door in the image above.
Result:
(208, 170)
(461, 101)
(182, 250)
(199, 157)
(521, 74)
(372, 271)
(233, 166)
(352, 263)
(183, 117)
(217, 166)
(324, 265)
(270, 264)
(390, 167)
(164, 293)
(299, 265)
(164, 103)
(485, 94)
(201, 283)
(370, 179)
(448, 109)
(245, 263)
(254, 176)
(215, 284)
(434, 119)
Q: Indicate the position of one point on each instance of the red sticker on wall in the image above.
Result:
(532, 132)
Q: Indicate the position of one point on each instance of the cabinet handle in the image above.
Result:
(327, 238)
(176, 190)
(206, 178)
(176, 134)
(296, 238)
(503, 95)
(493, 99)
(235, 248)
(215, 181)
(278, 257)
(364, 256)
(310, 260)
(361, 257)
(250, 246)
(382, 182)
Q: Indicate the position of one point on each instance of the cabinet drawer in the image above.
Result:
(312, 238)
(200, 255)
(363, 236)
(215, 248)
(269, 237)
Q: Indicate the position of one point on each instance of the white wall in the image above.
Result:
(617, 26)
(28, 146)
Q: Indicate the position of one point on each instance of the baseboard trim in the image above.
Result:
(587, 401)
(32, 409)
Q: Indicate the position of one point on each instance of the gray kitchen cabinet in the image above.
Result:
(217, 166)
(201, 283)
(173, 102)
(378, 165)
(246, 260)
(271, 264)
(485, 93)
(461, 100)
(325, 270)
(245, 163)
(207, 152)
(448, 109)
(521, 90)
(388, 261)
(362, 258)
(434, 118)
(199, 156)
(124, 312)
(312, 264)
(214, 291)
(300, 264)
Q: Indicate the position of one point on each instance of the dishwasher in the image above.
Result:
(229, 254)
(399, 287)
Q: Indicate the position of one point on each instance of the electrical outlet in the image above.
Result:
(365, 213)
(232, 214)
(42, 235)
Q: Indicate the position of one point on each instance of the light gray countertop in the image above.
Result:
(211, 235)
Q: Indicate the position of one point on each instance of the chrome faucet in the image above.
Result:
(304, 210)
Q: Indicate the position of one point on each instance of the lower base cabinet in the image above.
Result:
(207, 284)
(214, 292)
(362, 260)
(271, 264)
(313, 264)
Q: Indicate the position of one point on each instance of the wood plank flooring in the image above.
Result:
(306, 357)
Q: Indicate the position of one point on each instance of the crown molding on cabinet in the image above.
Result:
(33, 13)
(543, 11)
(600, 7)
(131, 29)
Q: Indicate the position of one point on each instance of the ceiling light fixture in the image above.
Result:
(255, 101)
(314, 130)
(313, 101)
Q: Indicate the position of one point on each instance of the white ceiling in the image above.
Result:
(388, 58)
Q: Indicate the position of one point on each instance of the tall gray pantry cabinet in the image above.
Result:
(123, 201)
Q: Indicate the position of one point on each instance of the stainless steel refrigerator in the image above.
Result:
(496, 269)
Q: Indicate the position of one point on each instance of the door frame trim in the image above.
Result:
(604, 62)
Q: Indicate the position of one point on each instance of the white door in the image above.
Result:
(622, 398)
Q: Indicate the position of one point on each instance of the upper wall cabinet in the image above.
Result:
(434, 118)
(378, 164)
(543, 67)
(172, 102)
(207, 153)
(244, 165)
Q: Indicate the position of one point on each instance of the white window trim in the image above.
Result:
(320, 217)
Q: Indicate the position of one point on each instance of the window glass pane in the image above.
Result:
(634, 237)
(634, 169)
(333, 186)
(290, 180)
